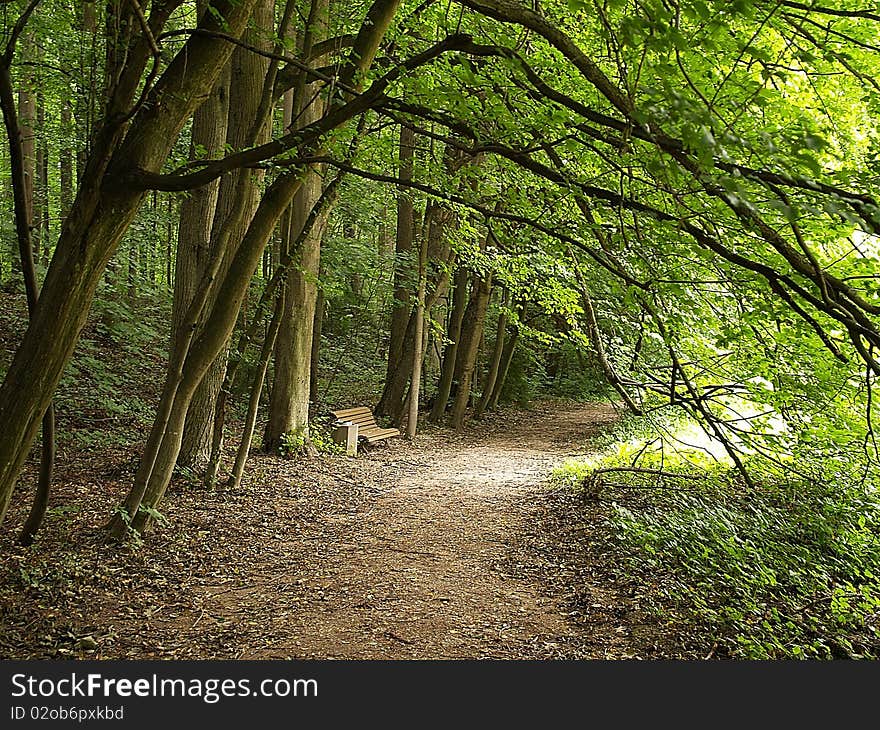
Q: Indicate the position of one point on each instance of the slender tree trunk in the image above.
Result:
(472, 331)
(317, 329)
(41, 192)
(190, 361)
(393, 394)
(67, 155)
(595, 335)
(256, 389)
(497, 352)
(418, 342)
(169, 245)
(272, 290)
(507, 356)
(450, 352)
(23, 210)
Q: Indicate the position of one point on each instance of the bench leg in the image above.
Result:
(351, 441)
(347, 433)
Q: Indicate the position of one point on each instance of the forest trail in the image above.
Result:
(436, 567)
(450, 547)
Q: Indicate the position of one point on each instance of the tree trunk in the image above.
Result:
(393, 393)
(289, 404)
(193, 251)
(270, 292)
(291, 389)
(23, 208)
(41, 192)
(450, 352)
(507, 356)
(190, 362)
(27, 117)
(256, 389)
(66, 158)
(418, 342)
(472, 331)
(495, 364)
(236, 200)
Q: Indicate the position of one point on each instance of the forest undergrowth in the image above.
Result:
(787, 569)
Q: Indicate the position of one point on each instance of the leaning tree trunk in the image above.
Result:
(271, 292)
(104, 207)
(498, 351)
(450, 352)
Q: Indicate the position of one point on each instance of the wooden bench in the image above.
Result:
(368, 429)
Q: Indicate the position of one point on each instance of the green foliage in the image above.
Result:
(790, 569)
(292, 444)
(790, 572)
(121, 344)
(319, 438)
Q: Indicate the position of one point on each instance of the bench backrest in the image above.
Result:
(361, 416)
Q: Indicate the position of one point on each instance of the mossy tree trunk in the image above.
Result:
(291, 389)
(194, 245)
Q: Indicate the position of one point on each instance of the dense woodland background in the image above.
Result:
(221, 221)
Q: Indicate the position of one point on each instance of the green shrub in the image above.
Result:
(789, 569)
(785, 573)
(319, 438)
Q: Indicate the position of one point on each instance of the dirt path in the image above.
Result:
(431, 568)
(451, 547)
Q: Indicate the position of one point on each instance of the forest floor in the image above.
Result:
(454, 546)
